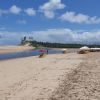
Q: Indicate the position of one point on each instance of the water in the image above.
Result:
(25, 54)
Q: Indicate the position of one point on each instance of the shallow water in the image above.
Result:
(25, 54)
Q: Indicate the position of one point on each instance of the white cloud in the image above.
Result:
(30, 11)
(79, 18)
(49, 8)
(53, 35)
(22, 21)
(11, 38)
(68, 36)
(15, 10)
(49, 14)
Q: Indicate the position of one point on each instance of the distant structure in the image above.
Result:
(26, 40)
(29, 38)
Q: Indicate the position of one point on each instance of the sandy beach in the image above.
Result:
(11, 49)
(69, 76)
(83, 83)
(33, 78)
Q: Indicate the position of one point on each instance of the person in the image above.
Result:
(42, 51)
(47, 51)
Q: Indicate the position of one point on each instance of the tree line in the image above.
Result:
(53, 45)
(58, 45)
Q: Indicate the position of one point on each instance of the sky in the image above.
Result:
(64, 21)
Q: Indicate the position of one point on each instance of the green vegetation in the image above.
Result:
(37, 44)
(58, 45)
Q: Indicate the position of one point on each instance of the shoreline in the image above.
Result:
(34, 77)
(14, 49)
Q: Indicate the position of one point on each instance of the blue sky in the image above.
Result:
(67, 21)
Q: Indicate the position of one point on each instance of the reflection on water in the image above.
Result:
(25, 54)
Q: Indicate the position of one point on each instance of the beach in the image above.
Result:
(83, 83)
(49, 50)
(12, 49)
(33, 77)
(69, 76)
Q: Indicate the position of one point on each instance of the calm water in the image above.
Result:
(26, 54)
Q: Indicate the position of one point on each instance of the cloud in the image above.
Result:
(15, 10)
(53, 35)
(67, 36)
(11, 38)
(79, 18)
(49, 8)
(30, 11)
(49, 14)
(22, 21)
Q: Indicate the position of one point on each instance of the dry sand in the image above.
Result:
(83, 83)
(34, 78)
(11, 49)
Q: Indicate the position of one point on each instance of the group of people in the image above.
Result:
(46, 51)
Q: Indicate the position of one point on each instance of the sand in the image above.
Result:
(34, 78)
(83, 83)
(11, 49)
(69, 76)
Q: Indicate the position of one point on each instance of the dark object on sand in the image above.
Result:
(42, 55)
(83, 52)
(64, 51)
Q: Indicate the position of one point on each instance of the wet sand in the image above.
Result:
(12, 49)
(34, 78)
